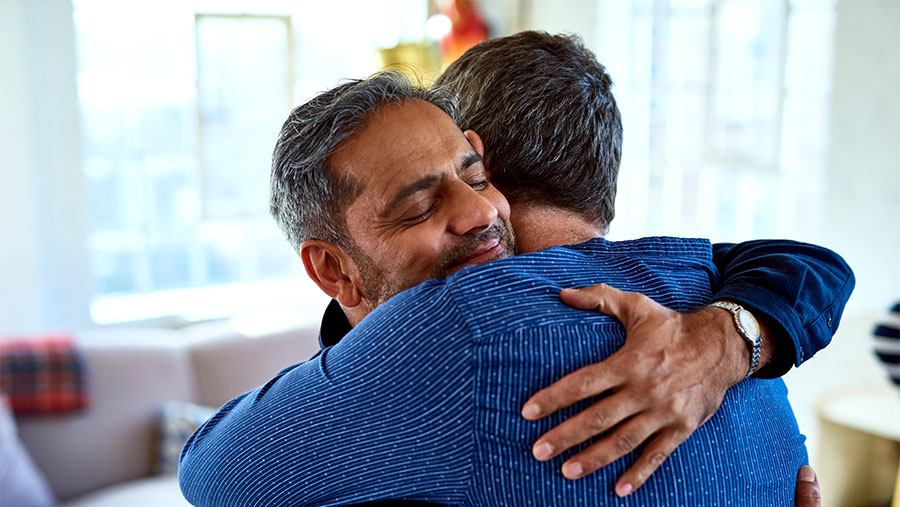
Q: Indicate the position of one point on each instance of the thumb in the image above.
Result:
(807, 493)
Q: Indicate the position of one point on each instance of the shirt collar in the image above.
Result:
(334, 325)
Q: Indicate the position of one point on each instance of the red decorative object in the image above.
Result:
(467, 28)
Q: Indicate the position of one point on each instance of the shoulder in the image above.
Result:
(527, 286)
(651, 248)
(579, 264)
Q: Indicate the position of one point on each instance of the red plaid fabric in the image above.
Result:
(42, 375)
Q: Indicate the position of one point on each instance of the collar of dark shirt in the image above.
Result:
(334, 325)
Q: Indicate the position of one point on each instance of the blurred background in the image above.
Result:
(135, 141)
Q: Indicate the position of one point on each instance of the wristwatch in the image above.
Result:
(747, 326)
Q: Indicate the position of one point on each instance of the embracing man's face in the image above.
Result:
(426, 208)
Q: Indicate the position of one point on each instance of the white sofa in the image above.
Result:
(106, 456)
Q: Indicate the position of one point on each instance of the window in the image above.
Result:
(725, 110)
(181, 104)
(178, 128)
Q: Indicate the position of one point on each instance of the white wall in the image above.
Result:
(864, 159)
(863, 198)
(43, 265)
(863, 190)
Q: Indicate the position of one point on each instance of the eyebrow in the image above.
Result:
(468, 161)
(425, 182)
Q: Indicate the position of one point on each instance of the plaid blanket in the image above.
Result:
(43, 375)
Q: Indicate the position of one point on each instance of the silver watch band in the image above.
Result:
(748, 327)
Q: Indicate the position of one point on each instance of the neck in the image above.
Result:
(540, 227)
(356, 314)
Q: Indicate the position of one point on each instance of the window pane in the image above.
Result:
(685, 122)
(809, 57)
(113, 271)
(690, 4)
(170, 263)
(805, 134)
(688, 51)
(243, 82)
(748, 80)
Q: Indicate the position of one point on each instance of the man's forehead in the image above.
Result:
(399, 144)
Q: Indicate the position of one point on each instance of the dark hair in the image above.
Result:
(307, 198)
(552, 132)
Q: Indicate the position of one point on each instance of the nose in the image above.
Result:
(470, 211)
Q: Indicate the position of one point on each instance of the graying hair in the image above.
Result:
(307, 198)
(544, 108)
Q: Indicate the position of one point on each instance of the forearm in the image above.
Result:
(317, 436)
(736, 353)
(682, 364)
(344, 427)
(797, 291)
(248, 442)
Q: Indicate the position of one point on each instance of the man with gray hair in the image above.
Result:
(315, 197)
(441, 422)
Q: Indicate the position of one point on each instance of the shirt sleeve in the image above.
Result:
(385, 413)
(802, 288)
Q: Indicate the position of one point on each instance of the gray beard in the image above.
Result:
(379, 286)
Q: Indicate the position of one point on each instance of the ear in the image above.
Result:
(478, 146)
(475, 141)
(330, 268)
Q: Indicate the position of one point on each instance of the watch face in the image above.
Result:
(748, 322)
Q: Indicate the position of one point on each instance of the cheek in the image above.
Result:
(422, 247)
(409, 254)
(415, 261)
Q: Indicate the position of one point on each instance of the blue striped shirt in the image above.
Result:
(422, 399)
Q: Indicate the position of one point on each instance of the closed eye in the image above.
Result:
(430, 204)
(421, 217)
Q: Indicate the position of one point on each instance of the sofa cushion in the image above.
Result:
(159, 490)
(178, 420)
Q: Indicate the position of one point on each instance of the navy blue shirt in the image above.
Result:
(421, 400)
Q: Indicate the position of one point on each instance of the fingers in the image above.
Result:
(807, 493)
(594, 420)
(612, 447)
(583, 383)
(654, 454)
(600, 297)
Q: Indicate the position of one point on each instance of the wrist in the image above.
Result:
(769, 349)
(733, 359)
(745, 334)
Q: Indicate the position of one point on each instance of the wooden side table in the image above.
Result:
(859, 446)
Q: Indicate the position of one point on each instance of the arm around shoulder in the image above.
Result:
(346, 426)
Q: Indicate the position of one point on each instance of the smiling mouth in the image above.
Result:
(488, 250)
